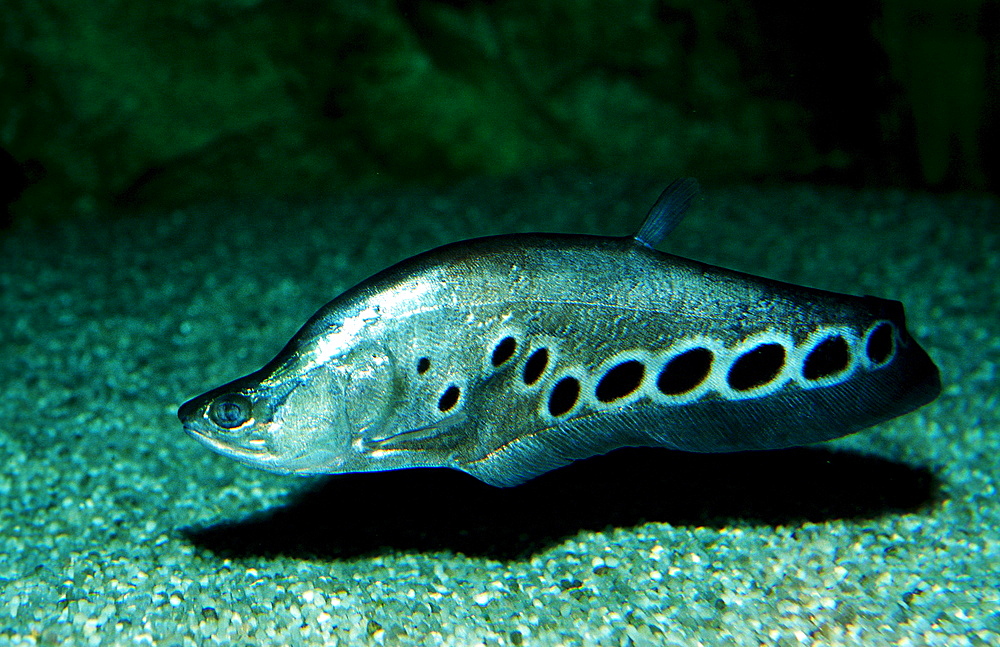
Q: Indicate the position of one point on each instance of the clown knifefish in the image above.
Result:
(509, 356)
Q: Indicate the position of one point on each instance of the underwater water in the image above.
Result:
(116, 528)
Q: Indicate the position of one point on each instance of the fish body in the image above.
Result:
(509, 356)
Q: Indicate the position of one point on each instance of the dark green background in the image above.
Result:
(156, 104)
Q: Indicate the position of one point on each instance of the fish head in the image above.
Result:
(284, 422)
(308, 411)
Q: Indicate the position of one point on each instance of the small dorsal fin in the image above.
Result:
(668, 211)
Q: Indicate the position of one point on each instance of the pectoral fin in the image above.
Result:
(442, 434)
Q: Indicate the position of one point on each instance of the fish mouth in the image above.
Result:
(259, 458)
(242, 454)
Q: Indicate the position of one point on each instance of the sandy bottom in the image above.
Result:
(116, 528)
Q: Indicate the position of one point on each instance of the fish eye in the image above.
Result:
(230, 411)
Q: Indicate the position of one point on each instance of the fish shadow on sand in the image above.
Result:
(438, 510)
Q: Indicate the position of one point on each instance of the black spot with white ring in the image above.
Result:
(827, 358)
(564, 396)
(685, 371)
(503, 351)
(449, 399)
(535, 367)
(881, 344)
(756, 367)
(620, 381)
(423, 365)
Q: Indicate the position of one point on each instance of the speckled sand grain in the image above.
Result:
(117, 529)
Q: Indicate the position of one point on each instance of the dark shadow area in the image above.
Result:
(441, 510)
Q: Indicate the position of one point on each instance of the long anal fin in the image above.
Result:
(667, 212)
(544, 450)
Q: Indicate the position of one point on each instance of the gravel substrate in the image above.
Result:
(116, 528)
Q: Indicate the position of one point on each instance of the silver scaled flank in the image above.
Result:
(509, 356)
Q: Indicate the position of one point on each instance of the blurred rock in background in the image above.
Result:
(150, 105)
